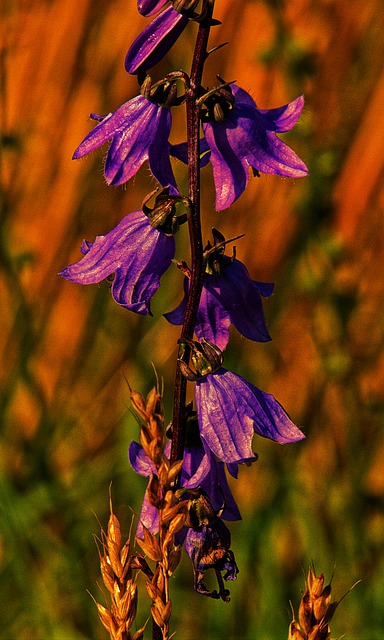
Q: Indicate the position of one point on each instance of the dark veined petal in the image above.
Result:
(159, 151)
(230, 410)
(242, 299)
(146, 135)
(138, 131)
(200, 468)
(128, 117)
(139, 461)
(280, 119)
(233, 297)
(155, 40)
(149, 518)
(247, 137)
(212, 322)
(137, 253)
(180, 151)
(230, 173)
(149, 7)
(216, 486)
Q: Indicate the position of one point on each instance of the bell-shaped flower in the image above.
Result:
(138, 255)
(229, 298)
(238, 136)
(200, 469)
(230, 410)
(156, 39)
(138, 131)
(208, 548)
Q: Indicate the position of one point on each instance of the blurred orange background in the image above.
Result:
(67, 350)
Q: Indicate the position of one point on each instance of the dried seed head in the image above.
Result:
(153, 491)
(150, 545)
(174, 559)
(315, 610)
(117, 569)
(294, 632)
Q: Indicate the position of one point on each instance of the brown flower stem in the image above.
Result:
(194, 223)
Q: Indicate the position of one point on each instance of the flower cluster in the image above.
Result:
(188, 499)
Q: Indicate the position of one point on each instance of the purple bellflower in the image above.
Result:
(138, 255)
(231, 297)
(238, 136)
(138, 131)
(230, 410)
(208, 548)
(200, 469)
(156, 39)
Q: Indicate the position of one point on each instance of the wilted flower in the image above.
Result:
(208, 548)
(230, 297)
(200, 469)
(138, 131)
(156, 39)
(238, 135)
(230, 410)
(138, 255)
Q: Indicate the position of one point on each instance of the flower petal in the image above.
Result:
(180, 151)
(137, 253)
(247, 137)
(149, 518)
(224, 423)
(230, 409)
(156, 39)
(139, 460)
(243, 301)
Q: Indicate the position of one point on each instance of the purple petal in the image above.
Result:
(230, 409)
(155, 40)
(284, 118)
(127, 117)
(130, 149)
(196, 466)
(139, 460)
(280, 119)
(233, 297)
(247, 137)
(216, 486)
(180, 151)
(213, 321)
(230, 174)
(149, 7)
(159, 161)
(241, 297)
(137, 253)
(139, 131)
(149, 517)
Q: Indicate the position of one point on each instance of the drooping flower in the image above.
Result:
(156, 39)
(230, 410)
(230, 297)
(238, 136)
(138, 255)
(138, 131)
(200, 469)
(208, 548)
